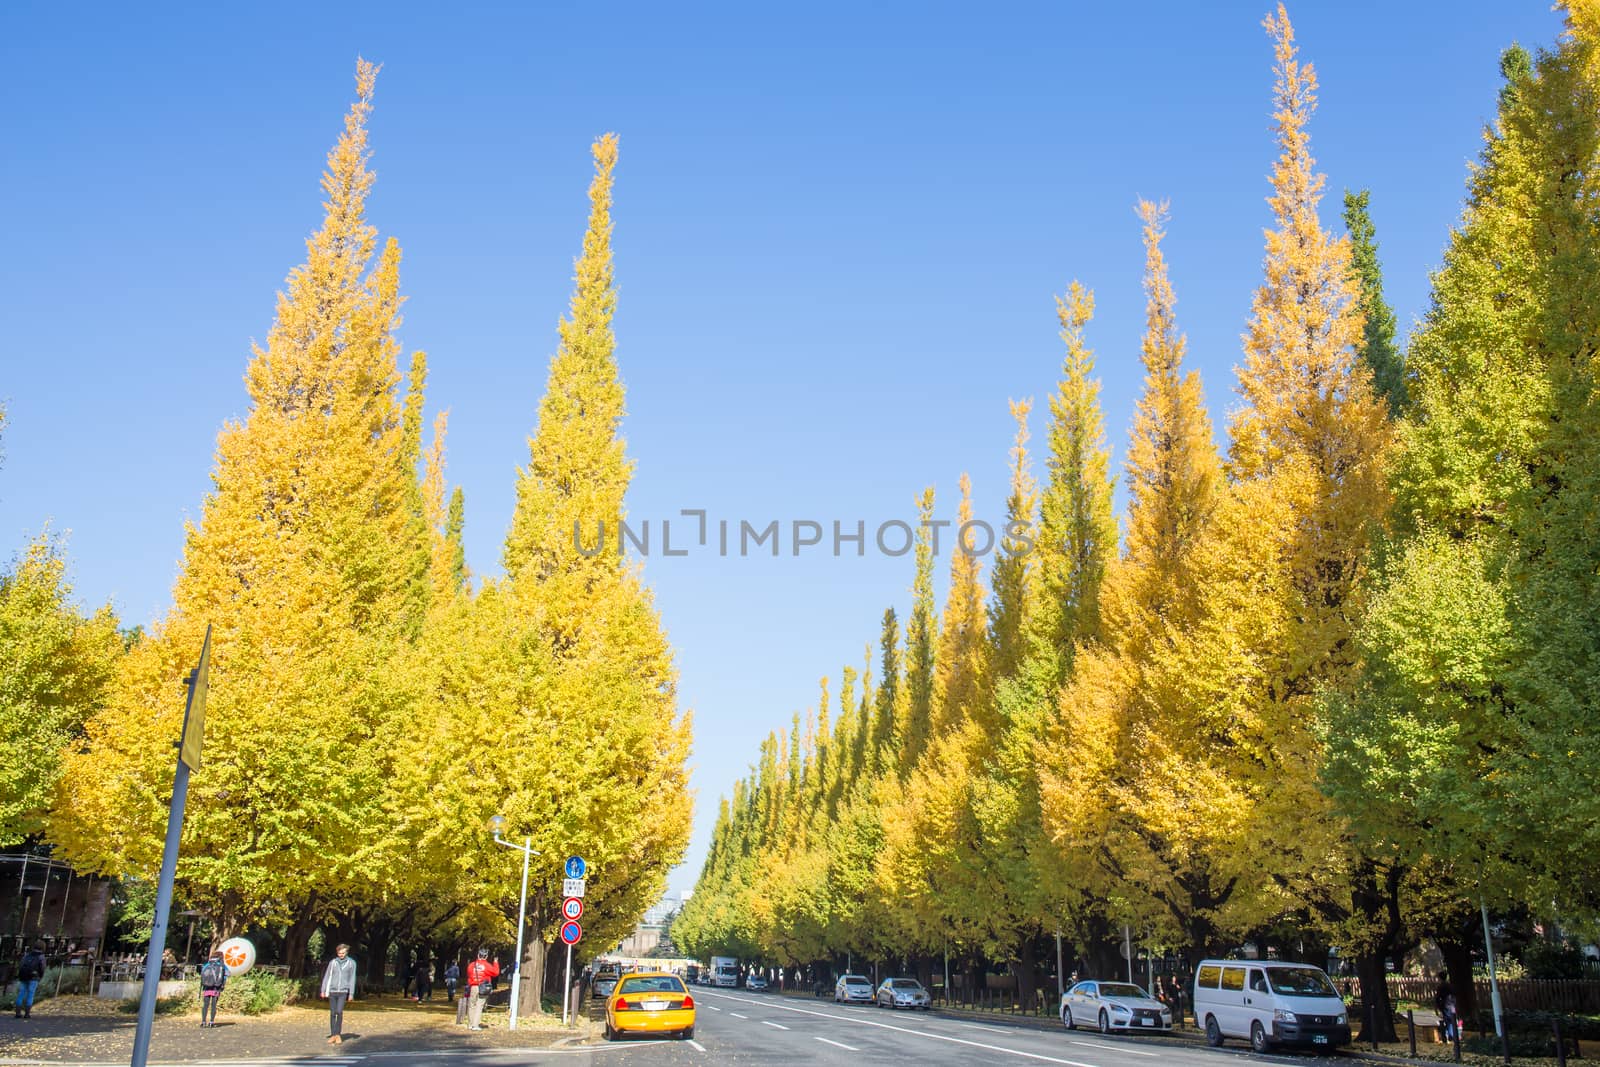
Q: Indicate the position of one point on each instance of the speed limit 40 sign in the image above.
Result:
(572, 908)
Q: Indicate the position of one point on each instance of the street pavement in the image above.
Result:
(738, 1028)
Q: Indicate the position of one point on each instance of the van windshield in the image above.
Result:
(1300, 982)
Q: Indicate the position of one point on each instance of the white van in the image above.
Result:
(1269, 1003)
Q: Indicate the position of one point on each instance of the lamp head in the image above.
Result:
(497, 822)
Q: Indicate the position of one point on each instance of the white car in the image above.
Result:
(903, 993)
(1111, 1006)
(852, 989)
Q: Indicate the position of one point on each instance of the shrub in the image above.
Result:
(257, 993)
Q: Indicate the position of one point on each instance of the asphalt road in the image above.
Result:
(744, 1028)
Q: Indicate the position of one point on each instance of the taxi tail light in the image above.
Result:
(622, 1005)
(688, 1002)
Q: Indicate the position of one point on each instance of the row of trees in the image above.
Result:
(372, 705)
(1335, 686)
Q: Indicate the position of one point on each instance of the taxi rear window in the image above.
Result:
(664, 983)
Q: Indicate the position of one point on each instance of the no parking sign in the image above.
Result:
(571, 933)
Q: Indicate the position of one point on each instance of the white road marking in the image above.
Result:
(918, 1033)
(775, 1026)
(991, 1029)
(839, 1044)
(1115, 1048)
(713, 1007)
(736, 1015)
(696, 1045)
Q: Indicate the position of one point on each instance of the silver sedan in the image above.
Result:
(1113, 1006)
(903, 993)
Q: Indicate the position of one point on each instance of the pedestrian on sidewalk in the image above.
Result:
(213, 976)
(1444, 1001)
(29, 970)
(424, 981)
(481, 974)
(452, 975)
(338, 986)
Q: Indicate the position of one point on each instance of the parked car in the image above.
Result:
(604, 981)
(1269, 1003)
(1111, 1006)
(903, 993)
(852, 989)
(650, 1002)
(755, 983)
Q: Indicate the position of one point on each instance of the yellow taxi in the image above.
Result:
(649, 1002)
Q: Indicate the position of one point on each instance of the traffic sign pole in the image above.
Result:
(188, 749)
(566, 990)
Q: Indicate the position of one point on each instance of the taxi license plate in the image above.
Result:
(1319, 1039)
(654, 1005)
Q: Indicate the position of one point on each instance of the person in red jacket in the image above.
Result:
(480, 972)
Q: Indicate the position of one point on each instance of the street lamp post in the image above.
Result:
(527, 850)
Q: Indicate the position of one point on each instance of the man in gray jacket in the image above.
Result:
(338, 986)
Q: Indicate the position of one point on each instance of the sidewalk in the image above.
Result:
(81, 1029)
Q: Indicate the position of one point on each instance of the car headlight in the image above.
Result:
(1283, 1016)
(1339, 1019)
(1118, 1009)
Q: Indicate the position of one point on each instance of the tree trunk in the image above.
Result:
(298, 937)
(379, 935)
(1376, 1010)
(1025, 970)
(1457, 953)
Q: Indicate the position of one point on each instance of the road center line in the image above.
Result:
(915, 1033)
(991, 1029)
(776, 1026)
(839, 1044)
(736, 1015)
(713, 1007)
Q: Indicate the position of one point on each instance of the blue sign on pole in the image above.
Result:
(575, 867)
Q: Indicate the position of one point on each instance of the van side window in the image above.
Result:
(1233, 979)
(1208, 976)
(1258, 982)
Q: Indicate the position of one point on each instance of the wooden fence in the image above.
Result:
(1571, 995)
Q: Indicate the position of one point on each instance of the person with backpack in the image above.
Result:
(424, 981)
(213, 976)
(338, 986)
(29, 970)
(481, 974)
(452, 975)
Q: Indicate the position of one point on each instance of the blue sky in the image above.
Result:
(839, 229)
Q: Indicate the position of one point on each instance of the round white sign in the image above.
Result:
(238, 954)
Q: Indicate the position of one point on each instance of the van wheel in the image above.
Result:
(1258, 1038)
(1066, 1018)
(1213, 1032)
(1105, 1022)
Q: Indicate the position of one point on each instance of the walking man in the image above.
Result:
(338, 986)
(452, 975)
(213, 976)
(29, 970)
(481, 974)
